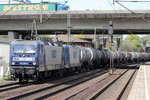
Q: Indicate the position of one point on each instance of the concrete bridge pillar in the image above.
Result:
(13, 35)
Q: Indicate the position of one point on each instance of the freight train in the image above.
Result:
(32, 59)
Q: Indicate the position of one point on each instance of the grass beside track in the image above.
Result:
(4, 79)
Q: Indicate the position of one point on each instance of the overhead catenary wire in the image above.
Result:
(111, 5)
(54, 12)
(118, 5)
(133, 12)
(133, 1)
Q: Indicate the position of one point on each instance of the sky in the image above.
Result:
(99, 4)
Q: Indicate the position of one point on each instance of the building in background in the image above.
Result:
(74, 41)
(4, 57)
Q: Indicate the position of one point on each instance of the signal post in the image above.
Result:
(110, 32)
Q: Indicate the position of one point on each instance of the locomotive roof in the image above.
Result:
(27, 42)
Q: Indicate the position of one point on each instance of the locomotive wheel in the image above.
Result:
(73, 69)
(60, 72)
(27, 80)
(70, 70)
(39, 77)
(49, 74)
(56, 73)
(13, 78)
(36, 77)
(20, 80)
(79, 69)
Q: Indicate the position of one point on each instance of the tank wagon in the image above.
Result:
(34, 60)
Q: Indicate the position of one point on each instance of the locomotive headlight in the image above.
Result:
(34, 63)
(13, 63)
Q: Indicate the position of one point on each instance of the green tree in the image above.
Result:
(132, 43)
(146, 39)
(132, 38)
(126, 46)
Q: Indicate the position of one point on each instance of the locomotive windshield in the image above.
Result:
(24, 49)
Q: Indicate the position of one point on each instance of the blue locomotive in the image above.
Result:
(25, 58)
(32, 59)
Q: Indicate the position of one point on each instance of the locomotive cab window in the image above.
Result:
(19, 48)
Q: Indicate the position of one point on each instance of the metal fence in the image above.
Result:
(4, 69)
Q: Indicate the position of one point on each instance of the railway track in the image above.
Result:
(36, 90)
(116, 88)
(8, 84)
(87, 90)
(95, 84)
(82, 91)
(13, 86)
